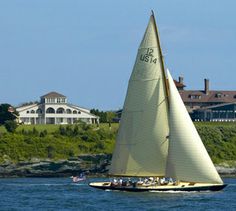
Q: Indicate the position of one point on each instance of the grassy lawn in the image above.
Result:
(53, 128)
(49, 128)
(105, 126)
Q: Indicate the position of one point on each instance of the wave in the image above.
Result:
(35, 184)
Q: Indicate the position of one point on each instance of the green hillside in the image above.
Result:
(220, 140)
(62, 142)
(55, 142)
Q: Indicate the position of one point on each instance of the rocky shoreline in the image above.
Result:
(226, 170)
(91, 165)
(88, 164)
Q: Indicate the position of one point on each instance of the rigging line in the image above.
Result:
(139, 142)
(163, 101)
(167, 139)
(129, 111)
(140, 111)
(153, 79)
(148, 47)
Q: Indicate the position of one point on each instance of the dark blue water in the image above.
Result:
(61, 194)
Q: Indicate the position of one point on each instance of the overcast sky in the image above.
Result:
(86, 49)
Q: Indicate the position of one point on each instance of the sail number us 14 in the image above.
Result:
(148, 56)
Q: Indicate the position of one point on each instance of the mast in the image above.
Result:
(161, 55)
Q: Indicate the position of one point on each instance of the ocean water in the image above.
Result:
(62, 194)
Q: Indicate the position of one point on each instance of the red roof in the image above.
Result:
(211, 97)
(52, 95)
(178, 84)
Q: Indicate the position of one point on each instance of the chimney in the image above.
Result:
(181, 79)
(206, 83)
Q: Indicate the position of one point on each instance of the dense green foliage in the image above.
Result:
(62, 142)
(105, 116)
(220, 141)
(10, 125)
(5, 114)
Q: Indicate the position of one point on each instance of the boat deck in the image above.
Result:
(183, 186)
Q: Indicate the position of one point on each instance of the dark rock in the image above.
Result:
(223, 170)
(90, 164)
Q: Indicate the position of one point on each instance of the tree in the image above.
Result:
(105, 116)
(6, 113)
(29, 103)
(110, 116)
(10, 126)
(50, 151)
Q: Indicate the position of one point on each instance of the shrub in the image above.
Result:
(10, 126)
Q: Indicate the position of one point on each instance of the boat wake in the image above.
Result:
(172, 191)
(80, 184)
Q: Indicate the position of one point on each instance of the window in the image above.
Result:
(39, 111)
(50, 100)
(60, 110)
(50, 110)
(218, 95)
(61, 100)
(195, 96)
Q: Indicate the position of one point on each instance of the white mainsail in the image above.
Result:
(188, 159)
(141, 144)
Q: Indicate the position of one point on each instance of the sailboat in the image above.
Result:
(157, 139)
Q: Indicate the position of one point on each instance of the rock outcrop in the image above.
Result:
(226, 169)
(89, 164)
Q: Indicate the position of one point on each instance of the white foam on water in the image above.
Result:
(79, 184)
(172, 191)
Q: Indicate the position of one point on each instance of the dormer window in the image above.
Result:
(195, 96)
(218, 95)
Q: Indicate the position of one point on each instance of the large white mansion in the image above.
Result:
(54, 109)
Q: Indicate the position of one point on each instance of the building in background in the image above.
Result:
(205, 104)
(196, 99)
(210, 105)
(53, 108)
(225, 112)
